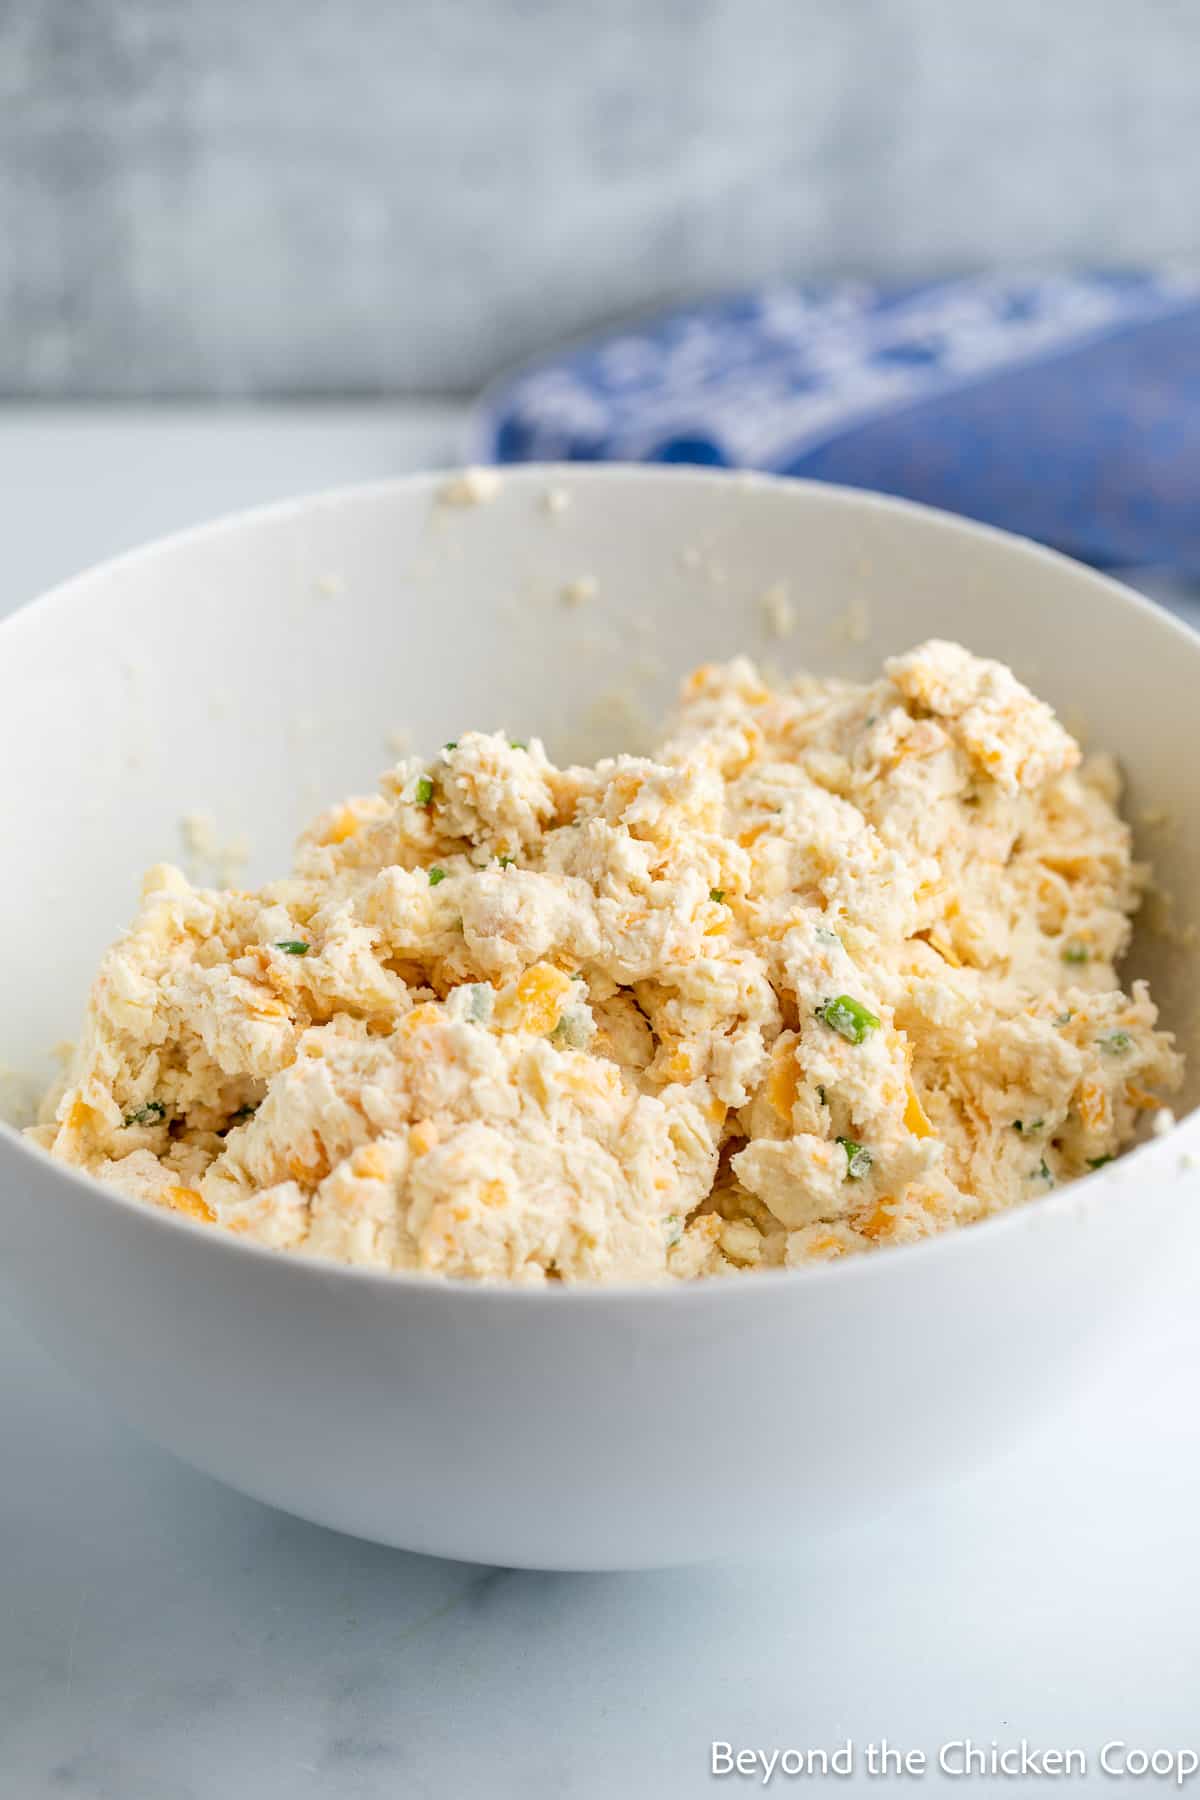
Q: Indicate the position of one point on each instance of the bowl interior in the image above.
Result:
(257, 669)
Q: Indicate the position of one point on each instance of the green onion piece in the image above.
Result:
(516, 744)
(1033, 1125)
(293, 946)
(149, 1114)
(1044, 1171)
(1117, 1042)
(1098, 1162)
(858, 1158)
(506, 862)
(436, 875)
(452, 744)
(574, 1029)
(825, 936)
(848, 1017)
(479, 1002)
(1076, 953)
(424, 791)
(717, 895)
(675, 1229)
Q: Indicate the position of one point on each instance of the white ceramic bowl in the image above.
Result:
(254, 669)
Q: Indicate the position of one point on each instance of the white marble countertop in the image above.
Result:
(162, 1638)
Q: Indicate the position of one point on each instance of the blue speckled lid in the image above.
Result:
(1066, 407)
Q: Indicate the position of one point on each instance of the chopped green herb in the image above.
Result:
(1033, 1125)
(858, 1158)
(1043, 1171)
(848, 1017)
(472, 1002)
(436, 875)
(1116, 1043)
(506, 862)
(1076, 953)
(674, 1226)
(293, 946)
(482, 999)
(423, 793)
(574, 1029)
(1098, 1162)
(717, 895)
(451, 744)
(516, 744)
(150, 1114)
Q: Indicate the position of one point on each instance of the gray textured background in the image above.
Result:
(373, 197)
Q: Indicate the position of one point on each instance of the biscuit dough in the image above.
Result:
(834, 969)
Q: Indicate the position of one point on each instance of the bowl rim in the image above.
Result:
(1076, 1197)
